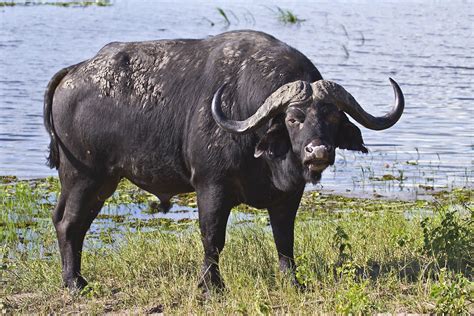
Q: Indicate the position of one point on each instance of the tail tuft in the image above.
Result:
(53, 157)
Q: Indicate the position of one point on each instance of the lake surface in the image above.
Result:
(427, 46)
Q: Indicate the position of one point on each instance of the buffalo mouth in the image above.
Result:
(316, 165)
(313, 170)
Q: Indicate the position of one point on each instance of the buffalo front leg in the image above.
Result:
(78, 205)
(282, 220)
(213, 215)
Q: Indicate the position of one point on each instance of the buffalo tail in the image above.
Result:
(53, 157)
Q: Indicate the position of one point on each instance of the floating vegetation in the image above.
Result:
(98, 3)
(389, 177)
(8, 179)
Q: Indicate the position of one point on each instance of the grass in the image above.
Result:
(283, 15)
(287, 16)
(354, 255)
(99, 3)
(224, 15)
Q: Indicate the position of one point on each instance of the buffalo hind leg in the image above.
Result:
(282, 220)
(213, 214)
(80, 201)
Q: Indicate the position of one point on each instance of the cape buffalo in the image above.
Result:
(238, 118)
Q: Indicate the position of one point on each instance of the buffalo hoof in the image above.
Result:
(291, 277)
(75, 284)
(162, 207)
(211, 284)
(297, 285)
(209, 291)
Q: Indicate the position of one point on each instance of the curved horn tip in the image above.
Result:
(393, 82)
(219, 116)
(221, 88)
(218, 95)
(397, 89)
(395, 86)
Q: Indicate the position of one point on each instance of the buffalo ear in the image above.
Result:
(349, 136)
(276, 141)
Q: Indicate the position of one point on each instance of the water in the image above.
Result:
(356, 43)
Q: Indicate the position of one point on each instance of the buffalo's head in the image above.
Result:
(309, 120)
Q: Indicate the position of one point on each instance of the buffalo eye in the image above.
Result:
(295, 118)
(292, 122)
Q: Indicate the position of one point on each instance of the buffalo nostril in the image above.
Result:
(309, 149)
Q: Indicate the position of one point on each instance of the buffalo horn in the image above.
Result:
(290, 94)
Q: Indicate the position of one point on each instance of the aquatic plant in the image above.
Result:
(224, 15)
(287, 16)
